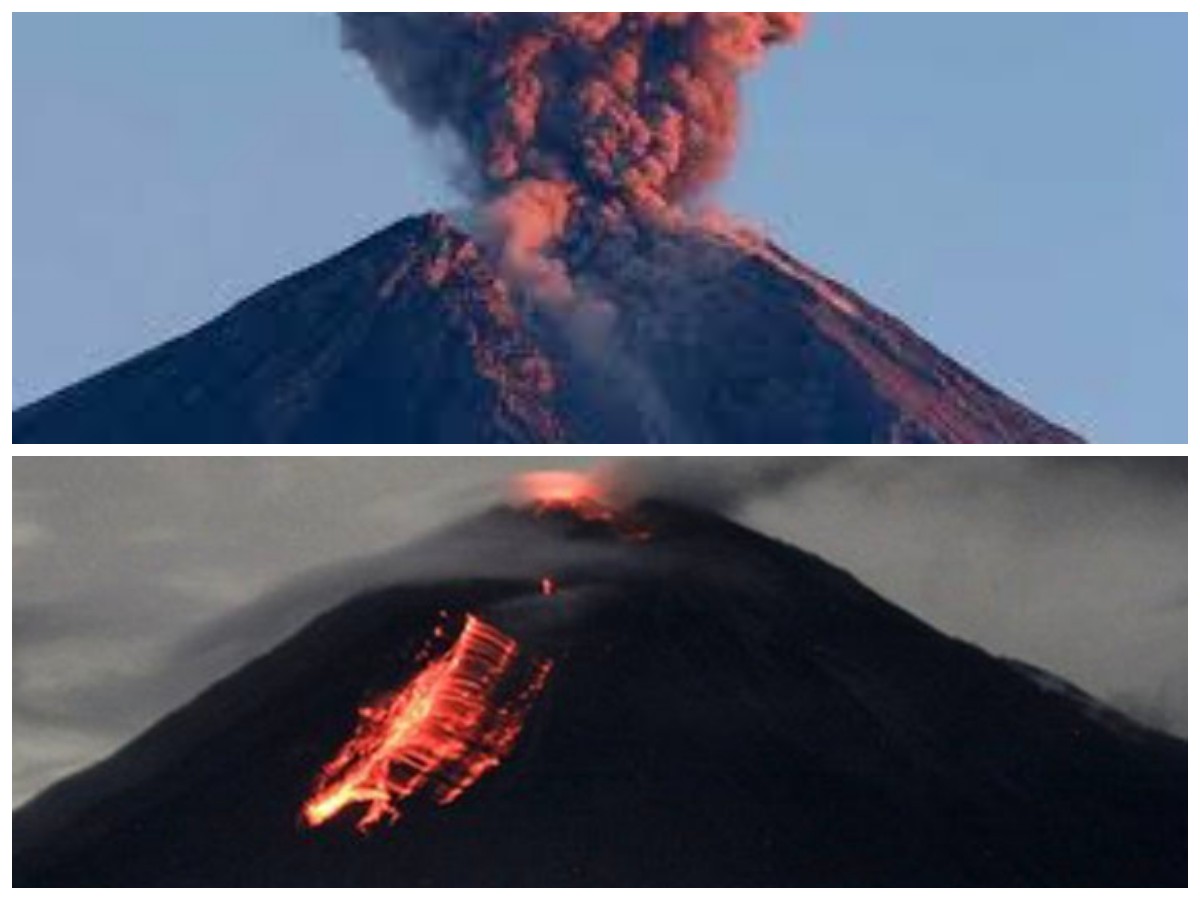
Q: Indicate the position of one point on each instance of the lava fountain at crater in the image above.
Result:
(581, 495)
(561, 490)
(456, 720)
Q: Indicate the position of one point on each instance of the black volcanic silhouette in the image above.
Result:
(725, 711)
(411, 337)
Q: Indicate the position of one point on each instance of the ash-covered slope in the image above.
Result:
(723, 710)
(686, 336)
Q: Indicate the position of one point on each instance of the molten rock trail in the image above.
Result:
(724, 710)
(455, 721)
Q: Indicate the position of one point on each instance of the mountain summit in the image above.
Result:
(651, 697)
(687, 334)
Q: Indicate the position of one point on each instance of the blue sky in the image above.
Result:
(1014, 186)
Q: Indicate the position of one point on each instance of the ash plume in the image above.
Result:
(572, 119)
(717, 484)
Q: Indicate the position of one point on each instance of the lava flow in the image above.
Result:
(456, 720)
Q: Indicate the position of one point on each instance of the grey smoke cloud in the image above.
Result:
(571, 121)
(721, 485)
(637, 109)
(137, 582)
(1075, 565)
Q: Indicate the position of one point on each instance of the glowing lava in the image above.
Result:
(455, 721)
(562, 490)
(580, 495)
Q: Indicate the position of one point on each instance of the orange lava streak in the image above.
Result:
(458, 719)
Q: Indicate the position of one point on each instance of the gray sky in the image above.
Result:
(121, 567)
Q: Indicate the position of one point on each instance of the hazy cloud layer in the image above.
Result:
(138, 581)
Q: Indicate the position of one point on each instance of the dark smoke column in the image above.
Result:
(560, 114)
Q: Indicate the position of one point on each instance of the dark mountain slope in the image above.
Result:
(405, 338)
(724, 710)
(411, 338)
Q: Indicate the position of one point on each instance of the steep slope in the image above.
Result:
(407, 337)
(688, 336)
(734, 341)
(722, 710)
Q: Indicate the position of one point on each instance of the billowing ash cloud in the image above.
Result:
(638, 108)
(617, 113)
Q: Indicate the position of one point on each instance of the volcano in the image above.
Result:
(662, 698)
(702, 335)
